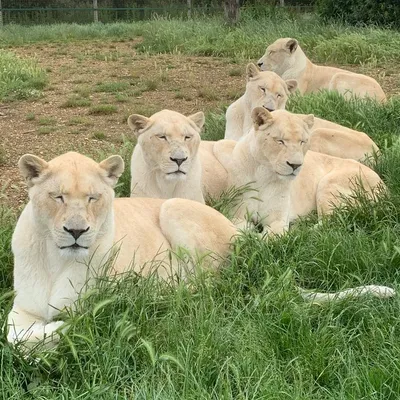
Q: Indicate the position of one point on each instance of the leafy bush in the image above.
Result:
(380, 12)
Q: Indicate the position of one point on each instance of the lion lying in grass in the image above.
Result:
(268, 90)
(290, 180)
(287, 59)
(67, 231)
(72, 220)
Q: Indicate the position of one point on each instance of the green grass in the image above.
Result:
(47, 121)
(20, 78)
(334, 43)
(30, 116)
(379, 121)
(103, 109)
(46, 130)
(98, 135)
(75, 102)
(79, 121)
(242, 333)
(112, 87)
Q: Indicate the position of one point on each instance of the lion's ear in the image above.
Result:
(309, 120)
(31, 167)
(138, 123)
(261, 117)
(291, 85)
(251, 71)
(291, 45)
(198, 119)
(114, 167)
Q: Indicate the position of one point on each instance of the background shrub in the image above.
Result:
(380, 12)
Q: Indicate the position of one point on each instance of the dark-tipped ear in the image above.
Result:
(291, 85)
(291, 45)
(261, 117)
(31, 167)
(138, 123)
(114, 167)
(251, 71)
(309, 120)
(198, 119)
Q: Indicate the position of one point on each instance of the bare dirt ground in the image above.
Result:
(86, 75)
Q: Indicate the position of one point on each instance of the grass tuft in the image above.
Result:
(75, 102)
(20, 78)
(103, 109)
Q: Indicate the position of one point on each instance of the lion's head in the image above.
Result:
(279, 56)
(170, 141)
(281, 140)
(71, 198)
(267, 89)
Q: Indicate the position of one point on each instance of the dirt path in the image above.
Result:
(93, 88)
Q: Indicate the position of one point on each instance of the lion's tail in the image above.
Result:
(373, 290)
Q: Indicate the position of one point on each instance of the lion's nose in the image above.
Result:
(294, 166)
(179, 161)
(76, 233)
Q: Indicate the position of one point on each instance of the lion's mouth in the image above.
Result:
(177, 172)
(292, 175)
(73, 247)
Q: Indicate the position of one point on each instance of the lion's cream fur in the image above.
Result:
(266, 156)
(327, 137)
(263, 89)
(72, 193)
(164, 137)
(287, 59)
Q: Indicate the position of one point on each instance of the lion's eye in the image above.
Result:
(92, 199)
(59, 199)
(188, 137)
(263, 89)
(280, 142)
(303, 142)
(279, 96)
(162, 137)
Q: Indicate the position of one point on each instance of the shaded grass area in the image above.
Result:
(243, 333)
(333, 43)
(19, 78)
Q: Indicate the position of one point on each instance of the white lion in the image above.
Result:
(263, 89)
(268, 90)
(164, 162)
(289, 183)
(66, 234)
(287, 59)
(67, 231)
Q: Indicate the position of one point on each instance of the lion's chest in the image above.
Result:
(44, 288)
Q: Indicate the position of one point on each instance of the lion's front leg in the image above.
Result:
(277, 222)
(276, 228)
(29, 329)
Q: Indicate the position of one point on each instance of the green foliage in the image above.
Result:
(379, 121)
(20, 78)
(380, 12)
(334, 43)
